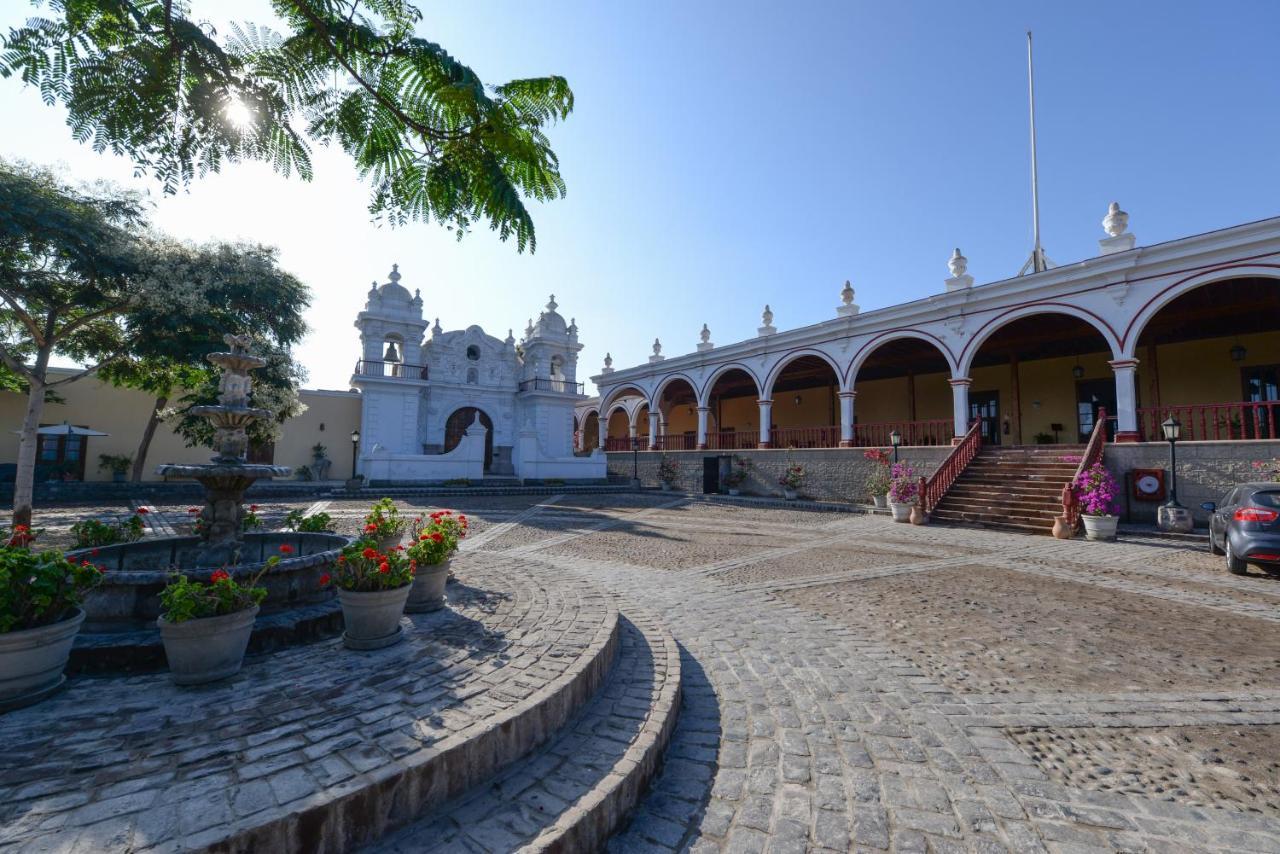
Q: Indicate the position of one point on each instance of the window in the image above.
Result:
(62, 455)
(473, 353)
(473, 376)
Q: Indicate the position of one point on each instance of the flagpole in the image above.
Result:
(1037, 258)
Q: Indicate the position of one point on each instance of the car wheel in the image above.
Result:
(1213, 544)
(1235, 565)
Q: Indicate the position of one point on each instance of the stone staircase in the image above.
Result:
(1015, 488)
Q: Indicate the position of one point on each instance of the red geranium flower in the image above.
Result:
(424, 537)
(219, 575)
(370, 528)
(253, 508)
(142, 511)
(193, 509)
(437, 536)
(342, 558)
(369, 552)
(384, 567)
(101, 569)
(286, 549)
(93, 553)
(324, 580)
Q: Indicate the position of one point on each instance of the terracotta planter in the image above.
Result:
(901, 510)
(373, 618)
(32, 661)
(1061, 529)
(917, 516)
(427, 591)
(1100, 527)
(207, 649)
(881, 502)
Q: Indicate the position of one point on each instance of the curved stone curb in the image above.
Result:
(359, 812)
(589, 823)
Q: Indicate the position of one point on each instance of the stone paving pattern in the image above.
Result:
(822, 711)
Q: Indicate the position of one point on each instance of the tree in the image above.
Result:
(68, 270)
(242, 290)
(142, 79)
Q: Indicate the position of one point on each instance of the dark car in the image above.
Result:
(1245, 527)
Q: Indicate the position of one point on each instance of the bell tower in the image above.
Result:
(390, 374)
(548, 386)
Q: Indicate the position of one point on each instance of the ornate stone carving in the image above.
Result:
(1116, 221)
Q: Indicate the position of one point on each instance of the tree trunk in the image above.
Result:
(148, 433)
(28, 445)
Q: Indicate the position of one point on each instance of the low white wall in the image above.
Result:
(465, 461)
(531, 463)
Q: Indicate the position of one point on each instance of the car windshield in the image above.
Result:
(1266, 499)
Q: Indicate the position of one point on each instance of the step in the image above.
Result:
(1022, 508)
(994, 518)
(980, 486)
(572, 793)
(1018, 527)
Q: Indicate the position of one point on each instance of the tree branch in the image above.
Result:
(27, 320)
(14, 365)
(83, 373)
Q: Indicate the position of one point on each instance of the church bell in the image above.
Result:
(391, 355)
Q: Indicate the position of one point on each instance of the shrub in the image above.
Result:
(383, 521)
(250, 520)
(904, 483)
(316, 523)
(793, 477)
(1269, 469)
(739, 473)
(668, 469)
(39, 588)
(361, 568)
(878, 480)
(115, 463)
(91, 533)
(436, 540)
(1097, 491)
(185, 599)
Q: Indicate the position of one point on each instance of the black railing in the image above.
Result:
(550, 384)
(398, 370)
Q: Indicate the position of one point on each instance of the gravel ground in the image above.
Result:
(652, 544)
(1237, 767)
(832, 560)
(994, 630)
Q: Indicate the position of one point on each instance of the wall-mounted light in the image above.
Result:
(797, 400)
(1238, 353)
(1078, 370)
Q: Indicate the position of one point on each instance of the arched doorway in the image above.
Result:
(902, 385)
(806, 406)
(456, 427)
(1210, 357)
(590, 431)
(1043, 377)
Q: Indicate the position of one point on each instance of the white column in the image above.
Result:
(766, 422)
(702, 427)
(603, 428)
(653, 430)
(1126, 399)
(846, 418)
(960, 405)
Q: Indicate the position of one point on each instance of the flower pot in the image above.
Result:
(427, 591)
(373, 618)
(666, 487)
(788, 493)
(1061, 529)
(32, 661)
(917, 516)
(117, 477)
(207, 649)
(1100, 527)
(734, 491)
(389, 542)
(881, 502)
(901, 510)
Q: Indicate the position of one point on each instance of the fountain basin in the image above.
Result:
(129, 596)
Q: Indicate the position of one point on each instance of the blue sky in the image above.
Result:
(727, 155)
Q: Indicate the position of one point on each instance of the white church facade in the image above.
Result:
(462, 404)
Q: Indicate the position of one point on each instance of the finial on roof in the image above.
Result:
(705, 335)
(766, 316)
(847, 307)
(436, 330)
(608, 364)
(552, 305)
(957, 264)
(395, 273)
(1116, 221)
(657, 351)
(846, 293)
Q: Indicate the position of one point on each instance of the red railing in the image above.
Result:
(1203, 422)
(936, 485)
(1092, 455)
(623, 443)
(805, 437)
(937, 432)
(733, 440)
(678, 442)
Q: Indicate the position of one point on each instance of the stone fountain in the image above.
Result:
(228, 475)
(119, 632)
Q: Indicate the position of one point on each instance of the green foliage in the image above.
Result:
(383, 520)
(91, 533)
(362, 568)
(668, 469)
(115, 463)
(186, 599)
(315, 523)
(142, 79)
(436, 540)
(40, 588)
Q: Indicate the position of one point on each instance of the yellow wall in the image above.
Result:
(123, 413)
(680, 420)
(887, 400)
(619, 427)
(1202, 371)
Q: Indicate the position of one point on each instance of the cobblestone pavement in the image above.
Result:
(852, 684)
(135, 764)
(804, 730)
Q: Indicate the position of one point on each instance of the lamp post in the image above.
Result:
(355, 443)
(895, 439)
(635, 462)
(1172, 516)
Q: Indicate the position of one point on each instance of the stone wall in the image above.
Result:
(834, 474)
(1206, 470)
